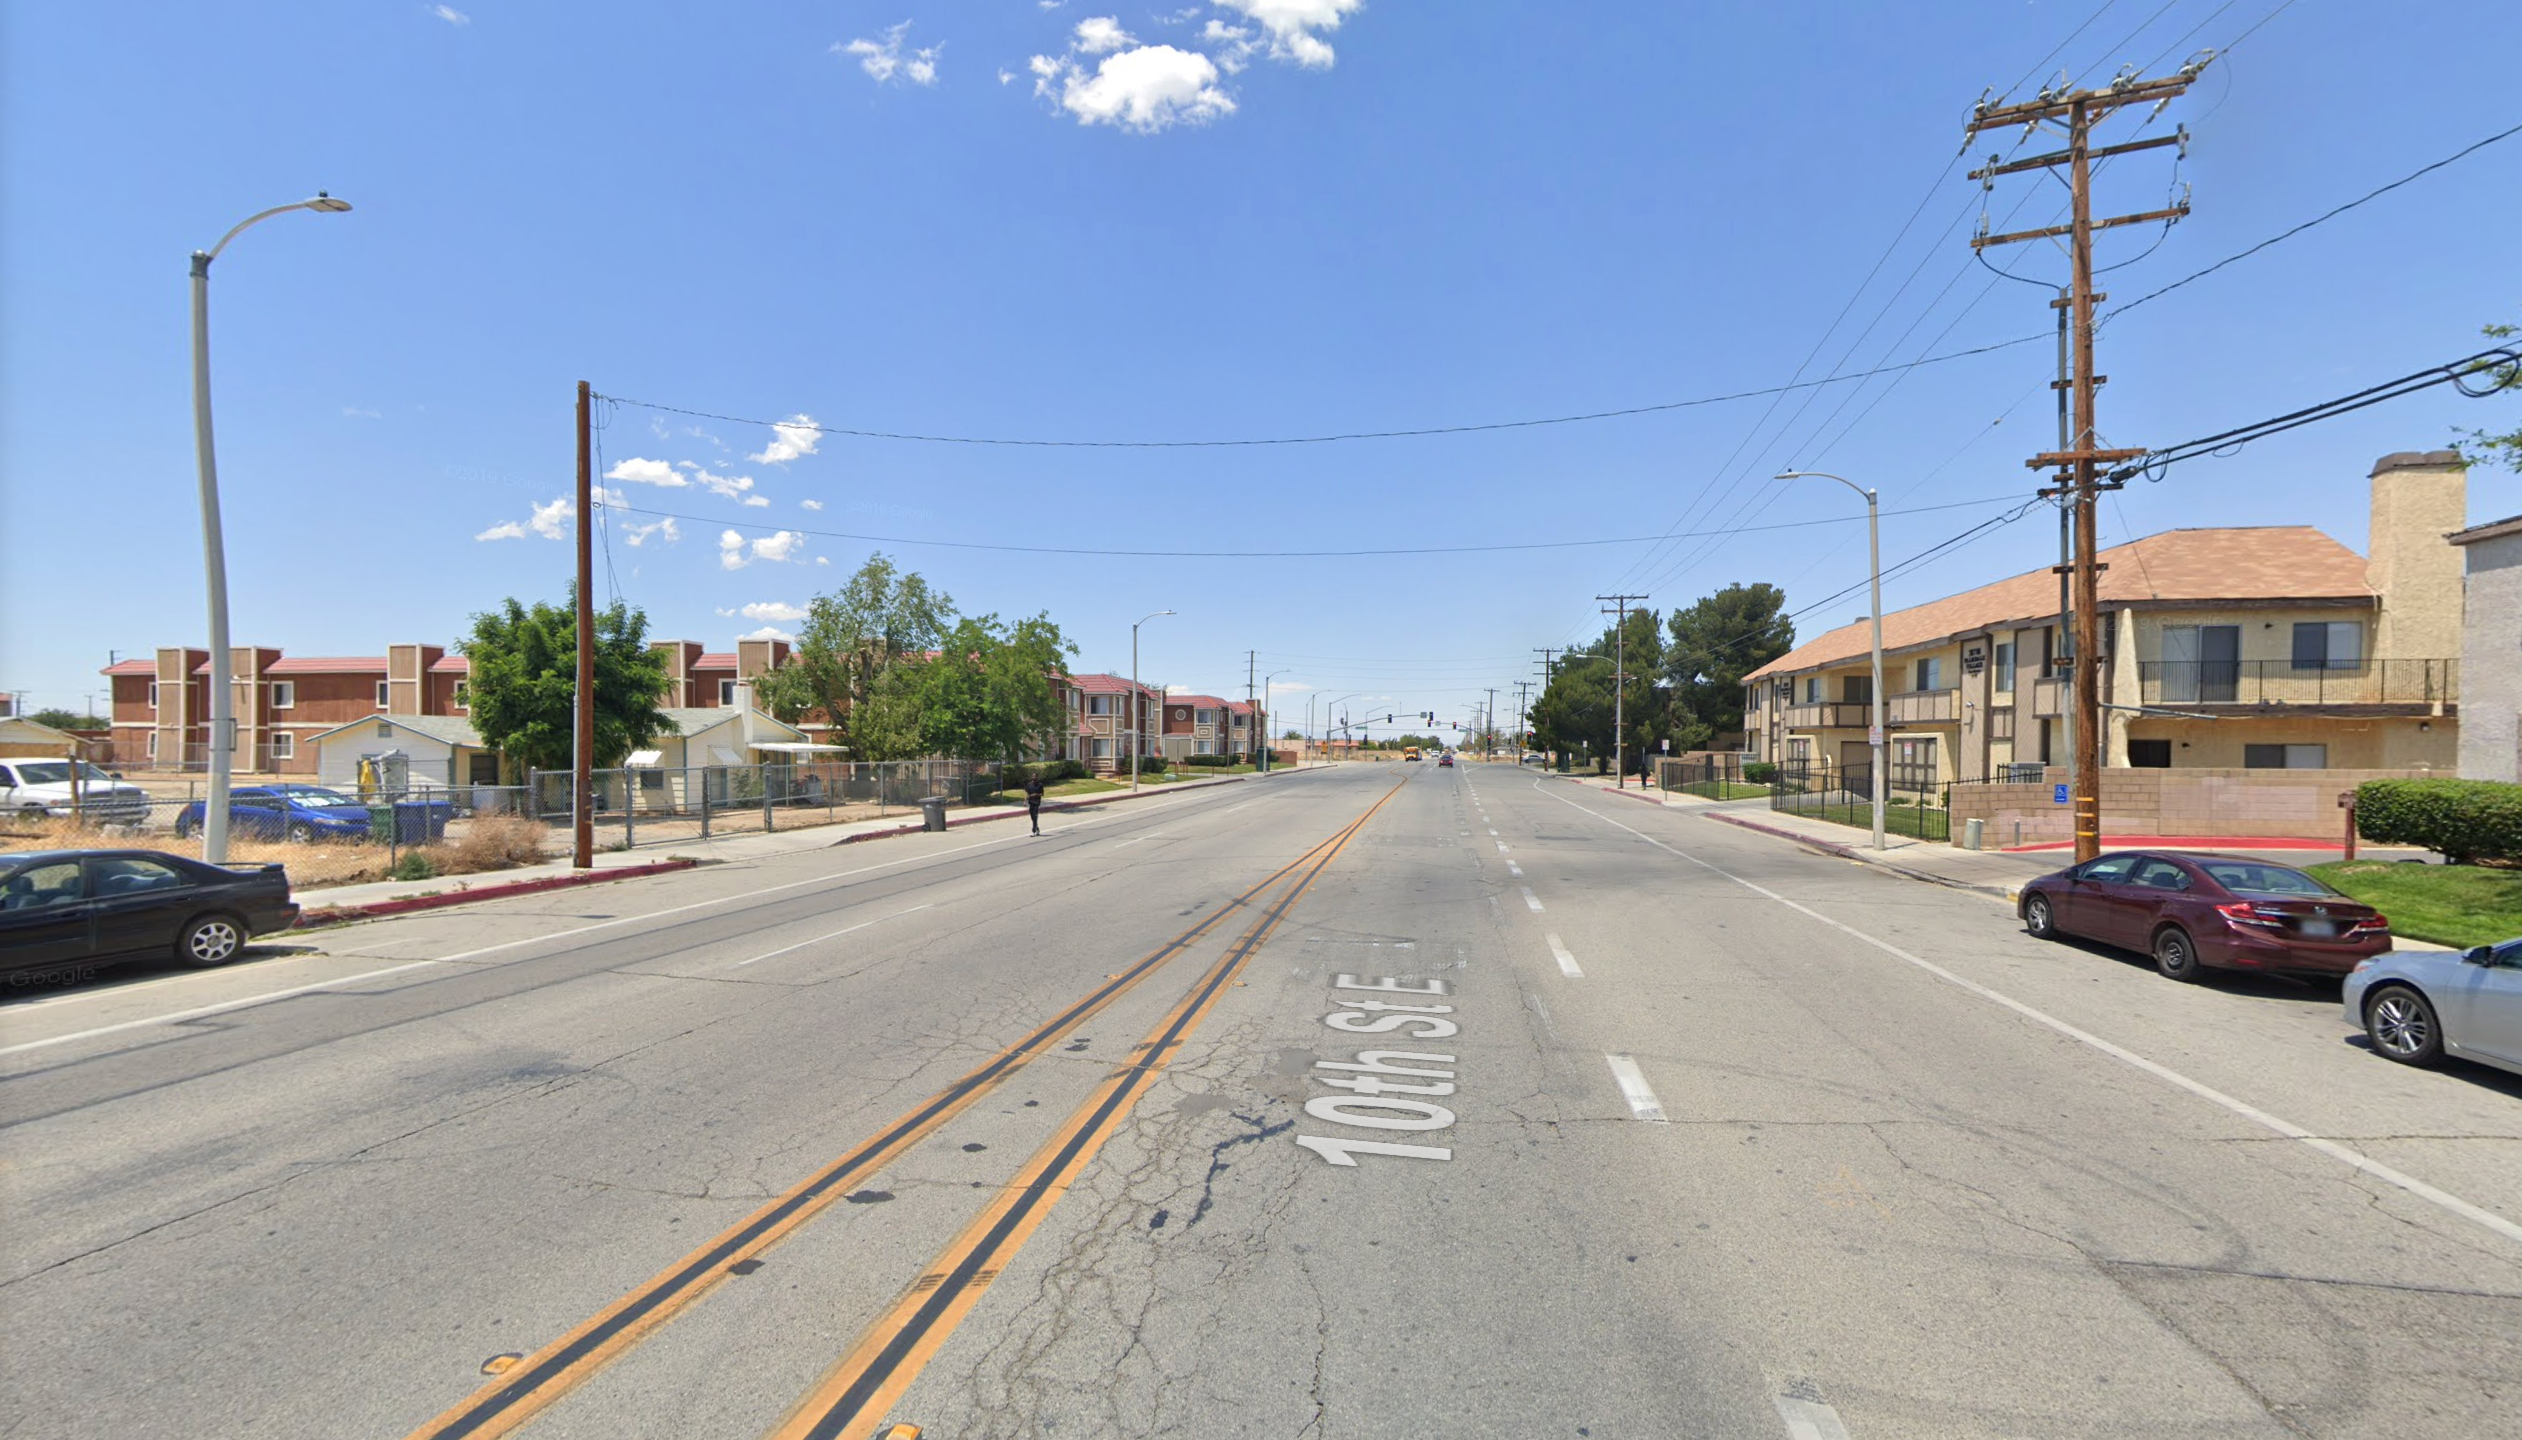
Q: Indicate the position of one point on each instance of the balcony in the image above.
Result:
(1828, 715)
(2049, 694)
(2379, 686)
(1923, 707)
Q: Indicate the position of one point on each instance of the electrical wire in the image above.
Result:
(2457, 373)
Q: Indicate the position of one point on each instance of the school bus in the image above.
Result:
(1409, 752)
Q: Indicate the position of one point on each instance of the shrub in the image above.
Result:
(1147, 765)
(1759, 772)
(2467, 820)
(414, 865)
(489, 842)
(1209, 762)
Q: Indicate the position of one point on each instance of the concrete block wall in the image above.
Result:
(2290, 804)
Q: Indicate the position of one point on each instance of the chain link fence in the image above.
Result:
(643, 806)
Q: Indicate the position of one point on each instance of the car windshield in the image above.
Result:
(317, 799)
(2244, 877)
(57, 772)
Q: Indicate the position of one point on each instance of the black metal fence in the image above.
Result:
(1915, 803)
(1726, 776)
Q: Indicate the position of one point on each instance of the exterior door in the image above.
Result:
(138, 903)
(46, 917)
(2486, 1016)
(2086, 905)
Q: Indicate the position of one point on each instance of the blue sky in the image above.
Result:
(1199, 221)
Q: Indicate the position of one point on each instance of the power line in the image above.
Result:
(742, 524)
(2457, 373)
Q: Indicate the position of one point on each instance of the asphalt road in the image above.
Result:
(1679, 1131)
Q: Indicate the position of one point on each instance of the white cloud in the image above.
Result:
(552, 521)
(822, 559)
(779, 610)
(886, 61)
(797, 435)
(356, 413)
(768, 632)
(778, 547)
(451, 15)
(664, 529)
(1146, 89)
(1005, 74)
(811, 504)
(1234, 44)
(646, 472)
(1101, 35)
(760, 501)
(504, 530)
(1292, 24)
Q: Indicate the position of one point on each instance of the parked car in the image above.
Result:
(2421, 1005)
(60, 907)
(1446, 759)
(284, 812)
(2196, 913)
(35, 789)
(1533, 757)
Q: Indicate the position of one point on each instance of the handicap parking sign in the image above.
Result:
(2058, 795)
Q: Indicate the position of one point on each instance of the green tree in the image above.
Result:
(61, 719)
(852, 637)
(2482, 447)
(1713, 644)
(988, 694)
(524, 683)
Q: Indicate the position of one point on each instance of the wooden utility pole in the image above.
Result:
(2079, 461)
(582, 757)
(1619, 687)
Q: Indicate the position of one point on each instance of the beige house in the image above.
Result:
(2264, 648)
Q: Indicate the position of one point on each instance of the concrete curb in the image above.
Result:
(1048, 807)
(379, 909)
(1850, 852)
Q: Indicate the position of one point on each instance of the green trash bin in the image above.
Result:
(381, 823)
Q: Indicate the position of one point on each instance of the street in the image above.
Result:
(1376, 1100)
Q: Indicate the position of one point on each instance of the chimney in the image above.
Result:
(2419, 497)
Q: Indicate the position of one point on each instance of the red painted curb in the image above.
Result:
(2186, 842)
(337, 914)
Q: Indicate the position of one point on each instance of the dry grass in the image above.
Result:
(324, 863)
(490, 842)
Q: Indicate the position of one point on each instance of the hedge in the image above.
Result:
(1210, 761)
(2467, 820)
(1147, 765)
(1759, 772)
(1013, 777)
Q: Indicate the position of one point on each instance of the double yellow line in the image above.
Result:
(853, 1397)
(524, 1389)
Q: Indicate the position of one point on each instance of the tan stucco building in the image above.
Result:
(2269, 647)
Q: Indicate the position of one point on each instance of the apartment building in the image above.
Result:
(1195, 725)
(2491, 649)
(1103, 714)
(2249, 647)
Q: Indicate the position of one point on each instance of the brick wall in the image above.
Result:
(2295, 804)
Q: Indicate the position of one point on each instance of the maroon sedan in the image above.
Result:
(2219, 912)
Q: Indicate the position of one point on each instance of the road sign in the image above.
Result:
(2058, 795)
(1874, 735)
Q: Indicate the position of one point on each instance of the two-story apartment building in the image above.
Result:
(1196, 725)
(2263, 647)
(1106, 724)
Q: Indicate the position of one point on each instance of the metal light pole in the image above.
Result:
(1874, 548)
(1326, 715)
(1260, 722)
(214, 818)
(1138, 704)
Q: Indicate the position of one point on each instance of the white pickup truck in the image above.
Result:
(35, 789)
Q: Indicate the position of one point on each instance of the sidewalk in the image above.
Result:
(386, 897)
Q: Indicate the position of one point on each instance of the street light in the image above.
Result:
(1874, 547)
(214, 815)
(1138, 704)
(1260, 722)
(1326, 716)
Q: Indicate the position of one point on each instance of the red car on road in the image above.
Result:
(2195, 913)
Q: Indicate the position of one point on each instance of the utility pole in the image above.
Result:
(582, 748)
(1492, 722)
(1523, 718)
(1619, 687)
(2078, 461)
(1252, 717)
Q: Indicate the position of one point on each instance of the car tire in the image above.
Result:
(301, 833)
(211, 940)
(2176, 955)
(2039, 918)
(183, 829)
(2402, 1025)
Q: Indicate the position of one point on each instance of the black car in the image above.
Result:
(61, 907)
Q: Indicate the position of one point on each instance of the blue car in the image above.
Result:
(284, 812)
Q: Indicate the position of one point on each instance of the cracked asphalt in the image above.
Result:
(1878, 1196)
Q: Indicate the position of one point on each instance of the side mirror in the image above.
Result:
(2479, 955)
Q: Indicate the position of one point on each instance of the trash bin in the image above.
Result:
(932, 813)
(381, 823)
(421, 822)
(1973, 833)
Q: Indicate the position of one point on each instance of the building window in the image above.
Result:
(1207, 717)
(2285, 757)
(1103, 745)
(153, 694)
(1931, 672)
(726, 694)
(1913, 764)
(284, 746)
(153, 739)
(1099, 705)
(380, 694)
(1856, 689)
(463, 694)
(1205, 747)
(284, 694)
(2329, 645)
(2005, 668)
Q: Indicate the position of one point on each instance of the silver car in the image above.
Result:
(2421, 1005)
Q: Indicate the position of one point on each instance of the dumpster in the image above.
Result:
(932, 813)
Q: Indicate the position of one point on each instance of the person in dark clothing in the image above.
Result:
(1033, 801)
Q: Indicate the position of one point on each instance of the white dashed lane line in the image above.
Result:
(1810, 1420)
(1635, 1090)
(1514, 869)
(1532, 902)
(1567, 962)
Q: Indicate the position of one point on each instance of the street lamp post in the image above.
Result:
(1138, 702)
(1327, 707)
(1260, 722)
(1874, 549)
(214, 815)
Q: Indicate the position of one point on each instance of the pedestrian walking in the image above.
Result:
(1033, 800)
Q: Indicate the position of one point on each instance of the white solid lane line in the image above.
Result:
(225, 1005)
(835, 935)
(1635, 1090)
(1531, 901)
(1810, 1420)
(1514, 869)
(2445, 1199)
(1567, 962)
